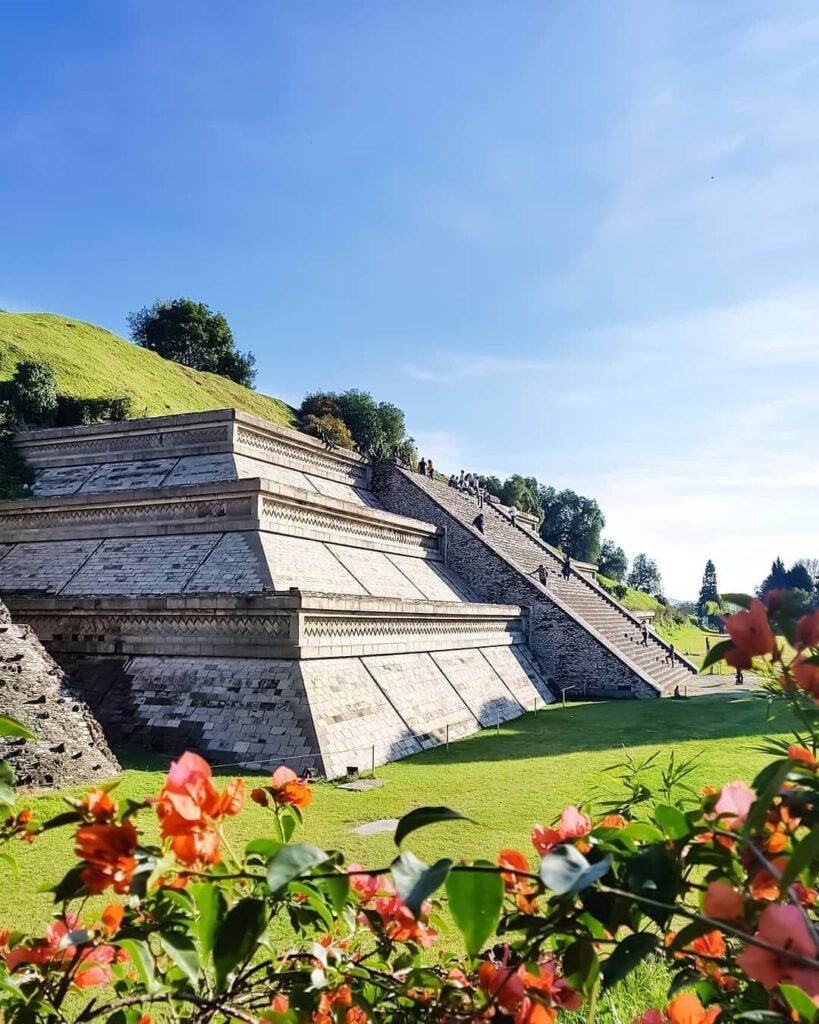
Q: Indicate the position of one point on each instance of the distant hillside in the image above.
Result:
(89, 361)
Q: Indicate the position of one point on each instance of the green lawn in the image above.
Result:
(89, 362)
(506, 782)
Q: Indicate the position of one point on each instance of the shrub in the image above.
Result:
(721, 885)
(330, 429)
(378, 429)
(33, 394)
(73, 411)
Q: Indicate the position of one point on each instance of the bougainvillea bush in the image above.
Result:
(720, 885)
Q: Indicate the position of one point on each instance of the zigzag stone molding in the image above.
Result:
(279, 511)
(159, 511)
(276, 446)
(124, 442)
(336, 626)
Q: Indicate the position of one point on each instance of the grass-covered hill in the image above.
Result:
(91, 362)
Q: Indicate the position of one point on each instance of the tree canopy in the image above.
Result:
(190, 333)
(377, 428)
(709, 591)
(612, 563)
(571, 522)
(645, 575)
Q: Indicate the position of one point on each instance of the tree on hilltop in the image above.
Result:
(799, 578)
(521, 492)
(645, 575)
(190, 333)
(572, 523)
(612, 563)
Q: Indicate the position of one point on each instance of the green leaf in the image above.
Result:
(717, 653)
(805, 852)
(741, 600)
(237, 937)
(566, 870)
(6, 784)
(475, 902)
(181, 950)
(799, 1001)
(642, 832)
(415, 881)
(264, 848)
(672, 821)
(11, 727)
(9, 861)
(581, 967)
(629, 954)
(423, 816)
(686, 978)
(69, 886)
(66, 818)
(338, 889)
(290, 862)
(142, 960)
(652, 873)
(210, 912)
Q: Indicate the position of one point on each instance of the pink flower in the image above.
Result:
(735, 801)
(650, 1017)
(722, 902)
(573, 825)
(369, 886)
(783, 926)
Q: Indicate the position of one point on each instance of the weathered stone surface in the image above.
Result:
(70, 747)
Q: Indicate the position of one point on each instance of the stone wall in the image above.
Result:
(70, 747)
(570, 654)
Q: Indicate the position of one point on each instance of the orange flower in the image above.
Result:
(92, 966)
(532, 998)
(722, 902)
(806, 676)
(612, 821)
(97, 804)
(399, 924)
(334, 1000)
(108, 852)
(368, 886)
(573, 825)
(189, 805)
(281, 1003)
(807, 631)
(687, 1009)
(513, 882)
(751, 634)
(112, 917)
(287, 788)
(802, 754)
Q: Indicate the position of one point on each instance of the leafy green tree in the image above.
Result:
(190, 333)
(777, 578)
(522, 493)
(612, 563)
(330, 429)
(493, 486)
(645, 575)
(571, 522)
(377, 428)
(709, 591)
(33, 393)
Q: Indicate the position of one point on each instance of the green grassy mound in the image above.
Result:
(89, 361)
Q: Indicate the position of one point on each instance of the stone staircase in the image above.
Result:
(588, 603)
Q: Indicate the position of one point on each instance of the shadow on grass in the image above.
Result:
(610, 725)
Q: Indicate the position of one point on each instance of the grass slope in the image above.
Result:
(89, 361)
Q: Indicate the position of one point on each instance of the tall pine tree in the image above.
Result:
(777, 578)
(709, 590)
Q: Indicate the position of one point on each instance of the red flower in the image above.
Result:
(751, 634)
(802, 754)
(108, 852)
(93, 966)
(399, 924)
(573, 825)
(807, 630)
(368, 886)
(532, 998)
(783, 926)
(112, 917)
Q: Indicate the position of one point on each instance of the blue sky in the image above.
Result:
(579, 241)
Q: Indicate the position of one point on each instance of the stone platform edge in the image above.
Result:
(297, 625)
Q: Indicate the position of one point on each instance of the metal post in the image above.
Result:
(447, 738)
(563, 693)
(534, 705)
(373, 761)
